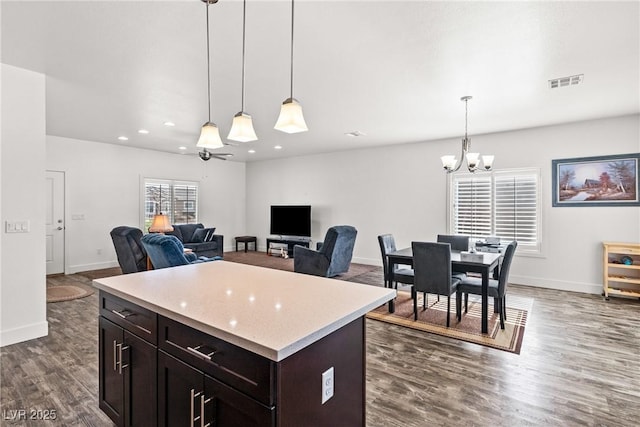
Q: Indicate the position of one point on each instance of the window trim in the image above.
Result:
(528, 250)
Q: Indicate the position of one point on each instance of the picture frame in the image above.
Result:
(610, 180)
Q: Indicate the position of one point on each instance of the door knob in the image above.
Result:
(59, 228)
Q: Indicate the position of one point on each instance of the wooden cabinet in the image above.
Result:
(621, 269)
(155, 371)
(127, 376)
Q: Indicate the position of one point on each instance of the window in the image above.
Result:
(503, 203)
(177, 199)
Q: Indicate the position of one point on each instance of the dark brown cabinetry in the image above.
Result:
(155, 371)
(128, 385)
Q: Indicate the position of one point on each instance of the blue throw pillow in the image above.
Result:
(203, 235)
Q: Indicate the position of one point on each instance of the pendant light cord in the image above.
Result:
(292, 6)
(466, 113)
(208, 66)
(244, 20)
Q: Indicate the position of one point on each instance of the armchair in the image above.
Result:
(167, 251)
(333, 256)
(131, 254)
(199, 239)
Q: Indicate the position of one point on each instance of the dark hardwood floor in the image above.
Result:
(579, 365)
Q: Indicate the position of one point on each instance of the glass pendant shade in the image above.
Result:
(160, 224)
(472, 160)
(209, 137)
(488, 161)
(291, 119)
(242, 128)
(448, 162)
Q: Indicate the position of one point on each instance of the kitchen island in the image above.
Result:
(232, 344)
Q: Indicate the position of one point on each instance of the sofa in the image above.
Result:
(201, 240)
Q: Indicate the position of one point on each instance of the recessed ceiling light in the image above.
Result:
(123, 138)
(252, 151)
(278, 147)
(355, 133)
(169, 124)
(182, 148)
(143, 131)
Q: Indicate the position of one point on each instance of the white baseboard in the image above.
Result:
(24, 333)
(88, 267)
(562, 285)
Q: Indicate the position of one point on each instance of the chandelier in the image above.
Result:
(451, 164)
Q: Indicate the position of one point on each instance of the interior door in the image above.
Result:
(54, 227)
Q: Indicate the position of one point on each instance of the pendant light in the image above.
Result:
(291, 119)
(209, 135)
(242, 127)
(450, 163)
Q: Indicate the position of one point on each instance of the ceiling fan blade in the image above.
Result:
(222, 156)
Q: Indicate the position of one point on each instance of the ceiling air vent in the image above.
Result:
(566, 81)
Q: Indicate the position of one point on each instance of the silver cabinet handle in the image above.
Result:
(115, 355)
(203, 401)
(193, 417)
(197, 352)
(123, 314)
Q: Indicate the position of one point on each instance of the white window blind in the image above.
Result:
(502, 203)
(176, 199)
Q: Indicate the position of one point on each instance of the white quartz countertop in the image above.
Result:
(269, 312)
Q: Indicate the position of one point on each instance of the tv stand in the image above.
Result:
(290, 241)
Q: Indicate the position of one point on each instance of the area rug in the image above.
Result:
(262, 259)
(434, 318)
(66, 293)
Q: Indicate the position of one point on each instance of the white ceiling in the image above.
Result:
(394, 70)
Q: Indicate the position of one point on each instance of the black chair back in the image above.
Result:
(132, 256)
(432, 268)
(457, 242)
(504, 269)
(387, 244)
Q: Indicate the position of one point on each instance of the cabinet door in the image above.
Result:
(140, 369)
(111, 394)
(179, 390)
(226, 407)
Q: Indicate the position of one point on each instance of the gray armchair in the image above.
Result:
(333, 256)
(132, 256)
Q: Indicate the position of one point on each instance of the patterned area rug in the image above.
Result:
(66, 293)
(434, 319)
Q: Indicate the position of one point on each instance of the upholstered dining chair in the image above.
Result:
(165, 250)
(458, 242)
(398, 275)
(333, 257)
(432, 273)
(131, 254)
(497, 288)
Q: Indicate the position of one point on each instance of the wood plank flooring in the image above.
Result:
(579, 365)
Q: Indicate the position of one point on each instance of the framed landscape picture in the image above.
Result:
(596, 181)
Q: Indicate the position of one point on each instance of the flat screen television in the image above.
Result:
(291, 220)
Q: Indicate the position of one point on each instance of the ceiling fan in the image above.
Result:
(206, 155)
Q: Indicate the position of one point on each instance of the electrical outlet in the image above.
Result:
(327, 384)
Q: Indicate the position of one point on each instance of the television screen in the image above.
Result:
(291, 220)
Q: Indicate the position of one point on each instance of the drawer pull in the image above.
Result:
(203, 401)
(197, 352)
(123, 314)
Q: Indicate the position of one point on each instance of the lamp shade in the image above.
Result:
(291, 119)
(209, 137)
(448, 162)
(242, 128)
(472, 160)
(488, 161)
(160, 224)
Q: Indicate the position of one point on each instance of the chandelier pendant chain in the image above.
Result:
(244, 20)
(208, 65)
(292, 6)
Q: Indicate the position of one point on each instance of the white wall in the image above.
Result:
(103, 184)
(402, 190)
(22, 286)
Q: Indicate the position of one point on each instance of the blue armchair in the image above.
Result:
(333, 256)
(167, 251)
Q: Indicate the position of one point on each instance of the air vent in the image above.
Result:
(566, 81)
(355, 133)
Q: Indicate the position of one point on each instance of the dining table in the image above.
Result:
(483, 263)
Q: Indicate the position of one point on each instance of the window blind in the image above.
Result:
(176, 199)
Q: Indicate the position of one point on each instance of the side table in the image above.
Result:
(246, 240)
